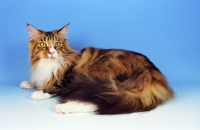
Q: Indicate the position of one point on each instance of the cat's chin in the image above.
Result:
(52, 57)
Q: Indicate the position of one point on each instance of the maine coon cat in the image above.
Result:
(104, 81)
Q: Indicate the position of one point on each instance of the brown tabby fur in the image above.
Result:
(117, 81)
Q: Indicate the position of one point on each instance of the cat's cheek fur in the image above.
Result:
(25, 85)
(40, 95)
(75, 107)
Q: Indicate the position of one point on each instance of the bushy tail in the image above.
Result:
(112, 101)
(92, 92)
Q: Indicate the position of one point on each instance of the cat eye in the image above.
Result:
(42, 44)
(57, 44)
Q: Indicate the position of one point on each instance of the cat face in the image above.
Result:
(48, 45)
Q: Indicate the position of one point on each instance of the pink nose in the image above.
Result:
(51, 53)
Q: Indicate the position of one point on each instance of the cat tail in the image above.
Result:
(103, 96)
(113, 101)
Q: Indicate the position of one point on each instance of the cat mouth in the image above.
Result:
(52, 56)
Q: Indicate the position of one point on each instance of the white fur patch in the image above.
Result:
(39, 95)
(75, 107)
(25, 85)
(44, 70)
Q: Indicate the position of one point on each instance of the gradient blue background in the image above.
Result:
(166, 31)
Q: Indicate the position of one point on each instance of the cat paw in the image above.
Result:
(25, 85)
(40, 95)
(75, 107)
(63, 109)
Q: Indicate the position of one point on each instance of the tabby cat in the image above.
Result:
(103, 81)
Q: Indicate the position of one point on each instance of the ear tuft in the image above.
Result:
(32, 31)
(63, 30)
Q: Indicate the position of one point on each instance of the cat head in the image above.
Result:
(48, 45)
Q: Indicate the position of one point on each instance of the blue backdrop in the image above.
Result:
(168, 32)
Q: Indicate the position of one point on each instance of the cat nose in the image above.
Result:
(51, 52)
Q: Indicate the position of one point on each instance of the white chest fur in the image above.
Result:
(45, 69)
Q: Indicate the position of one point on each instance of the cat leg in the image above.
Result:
(25, 85)
(40, 95)
(75, 107)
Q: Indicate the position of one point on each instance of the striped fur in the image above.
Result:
(116, 81)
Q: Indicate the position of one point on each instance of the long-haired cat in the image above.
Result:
(104, 81)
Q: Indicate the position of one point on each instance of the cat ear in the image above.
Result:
(32, 31)
(63, 30)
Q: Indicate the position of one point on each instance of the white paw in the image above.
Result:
(62, 109)
(25, 85)
(75, 107)
(39, 95)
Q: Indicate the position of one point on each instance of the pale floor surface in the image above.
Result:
(19, 112)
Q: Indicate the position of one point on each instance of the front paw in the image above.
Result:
(40, 95)
(25, 85)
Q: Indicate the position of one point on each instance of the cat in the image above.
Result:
(102, 81)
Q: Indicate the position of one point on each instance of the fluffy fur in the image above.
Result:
(105, 81)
